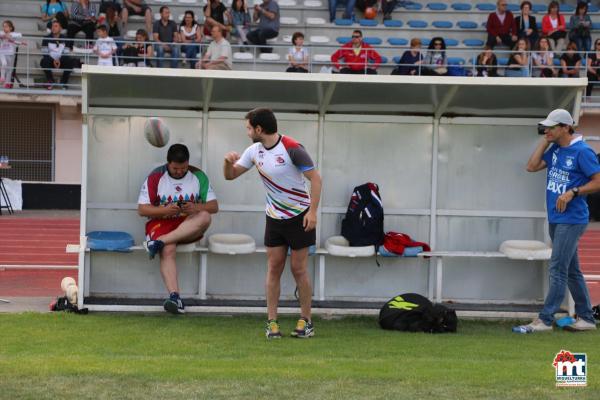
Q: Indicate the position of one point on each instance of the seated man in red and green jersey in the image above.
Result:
(178, 200)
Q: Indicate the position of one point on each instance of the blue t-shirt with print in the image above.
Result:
(569, 167)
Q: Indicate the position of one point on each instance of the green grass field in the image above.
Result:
(105, 356)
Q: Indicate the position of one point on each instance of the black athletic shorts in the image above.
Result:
(289, 232)
(143, 7)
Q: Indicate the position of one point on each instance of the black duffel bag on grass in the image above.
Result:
(412, 312)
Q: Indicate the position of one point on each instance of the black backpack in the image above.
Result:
(412, 312)
(363, 224)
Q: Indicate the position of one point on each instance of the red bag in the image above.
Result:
(396, 242)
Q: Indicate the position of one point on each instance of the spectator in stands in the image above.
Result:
(106, 4)
(178, 201)
(580, 25)
(436, 62)
(501, 27)
(139, 53)
(83, 18)
(554, 28)
(218, 55)
(411, 60)
(356, 55)
(55, 9)
(166, 33)
(112, 22)
(349, 10)
(56, 43)
(362, 5)
(593, 68)
(518, 62)
(191, 35)
(215, 14)
(105, 47)
(298, 54)
(570, 62)
(543, 60)
(136, 7)
(387, 7)
(8, 46)
(240, 18)
(527, 25)
(267, 15)
(487, 64)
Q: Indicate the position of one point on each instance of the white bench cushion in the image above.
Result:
(312, 3)
(231, 243)
(339, 246)
(323, 58)
(526, 250)
(288, 20)
(242, 56)
(319, 39)
(270, 57)
(315, 21)
(287, 3)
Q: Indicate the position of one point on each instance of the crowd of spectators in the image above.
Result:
(549, 49)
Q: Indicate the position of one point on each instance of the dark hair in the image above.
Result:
(295, 36)
(143, 33)
(48, 3)
(357, 31)
(571, 130)
(162, 8)
(10, 24)
(528, 3)
(581, 5)
(553, 4)
(264, 118)
(537, 45)
(190, 12)
(234, 7)
(436, 39)
(178, 153)
(101, 28)
(596, 42)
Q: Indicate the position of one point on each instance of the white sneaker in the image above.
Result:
(537, 325)
(580, 325)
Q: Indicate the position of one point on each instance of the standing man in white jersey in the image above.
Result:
(282, 163)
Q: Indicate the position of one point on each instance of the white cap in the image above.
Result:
(558, 116)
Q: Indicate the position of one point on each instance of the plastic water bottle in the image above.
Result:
(521, 329)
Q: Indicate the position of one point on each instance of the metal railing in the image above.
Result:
(30, 74)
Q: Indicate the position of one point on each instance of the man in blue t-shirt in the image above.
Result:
(573, 172)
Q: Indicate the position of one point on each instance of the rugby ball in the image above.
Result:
(156, 132)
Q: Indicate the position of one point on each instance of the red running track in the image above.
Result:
(42, 241)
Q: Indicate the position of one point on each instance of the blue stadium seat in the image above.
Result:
(567, 8)
(373, 41)
(595, 25)
(540, 8)
(456, 61)
(592, 8)
(413, 6)
(415, 23)
(502, 60)
(343, 22)
(384, 59)
(393, 23)
(343, 39)
(539, 25)
(557, 62)
(486, 6)
(437, 6)
(461, 6)
(425, 42)
(398, 41)
(442, 24)
(512, 7)
(473, 42)
(396, 59)
(467, 24)
(368, 22)
(451, 42)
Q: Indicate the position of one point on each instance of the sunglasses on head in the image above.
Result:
(355, 36)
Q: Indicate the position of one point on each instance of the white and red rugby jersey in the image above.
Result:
(281, 168)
